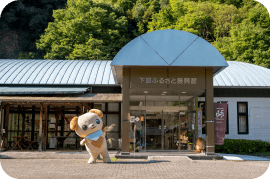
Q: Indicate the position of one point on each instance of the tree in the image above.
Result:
(142, 13)
(206, 19)
(86, 29)
(30, 18)
(247, 43)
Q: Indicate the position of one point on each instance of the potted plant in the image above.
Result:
(155, 144)
(130, 147)
(189, 135)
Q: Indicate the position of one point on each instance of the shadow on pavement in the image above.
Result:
(6, 157)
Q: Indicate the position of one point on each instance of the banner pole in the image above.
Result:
(179, 141)
(196, 103)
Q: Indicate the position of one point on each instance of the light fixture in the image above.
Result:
(183, 92)
(164, 91)
(145, 91)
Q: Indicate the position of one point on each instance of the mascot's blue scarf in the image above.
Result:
(94, 136)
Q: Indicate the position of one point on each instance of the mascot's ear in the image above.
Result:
(74, 123)
(97, 111)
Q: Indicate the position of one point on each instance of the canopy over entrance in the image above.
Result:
(167, 48)
(170, 64)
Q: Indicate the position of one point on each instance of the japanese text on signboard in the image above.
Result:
(153, 80)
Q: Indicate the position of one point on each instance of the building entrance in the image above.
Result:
(171, 128)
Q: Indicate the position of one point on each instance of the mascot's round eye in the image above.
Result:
(84, 127)
(97, 121)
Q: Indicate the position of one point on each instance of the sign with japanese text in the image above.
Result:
(171, 78)
(220, 122)
(178, 81)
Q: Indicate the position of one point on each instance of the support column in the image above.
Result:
(196, 116)
(6, 126)
(40, 129)
(23, 121)
(1, 126)
(125, 123)
(33, 123)
(56, 120)
(162, 132)
(209, 99)
(45, 127)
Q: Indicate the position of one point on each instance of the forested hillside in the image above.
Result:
(98, 29)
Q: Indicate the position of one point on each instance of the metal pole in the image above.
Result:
(134, 137)
(145, 125)
(196, 103)
(179, 126)
(162, 130)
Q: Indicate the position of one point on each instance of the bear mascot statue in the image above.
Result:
(91, 127)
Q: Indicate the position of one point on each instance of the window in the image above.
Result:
(113, 107)
(242, 117)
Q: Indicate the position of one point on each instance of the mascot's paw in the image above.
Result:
(91, 161)
(105, 129)
(83, 142)
(106, 160)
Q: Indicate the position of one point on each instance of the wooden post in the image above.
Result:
(33, 124)
(209, 99)
(1, 126)
(23, 122)
(80, 113)
(125, 123)
(57, 118)
(45, 127)
(40, 129)
(6, 125)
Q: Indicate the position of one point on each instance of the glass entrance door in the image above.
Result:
(160, 127)
(171, 130)
(153, 133)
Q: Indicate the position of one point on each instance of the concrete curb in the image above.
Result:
(47, 155)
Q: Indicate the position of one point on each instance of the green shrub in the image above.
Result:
(242, 146)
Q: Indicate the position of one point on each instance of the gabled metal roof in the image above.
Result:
(241, 74)
(56, 72)
(76, 72)
(168, 48)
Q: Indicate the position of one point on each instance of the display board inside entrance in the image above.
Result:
(171, 77)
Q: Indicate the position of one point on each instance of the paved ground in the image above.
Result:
(83, 155)
(243, 157)
(57, 164)
(159, 167)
